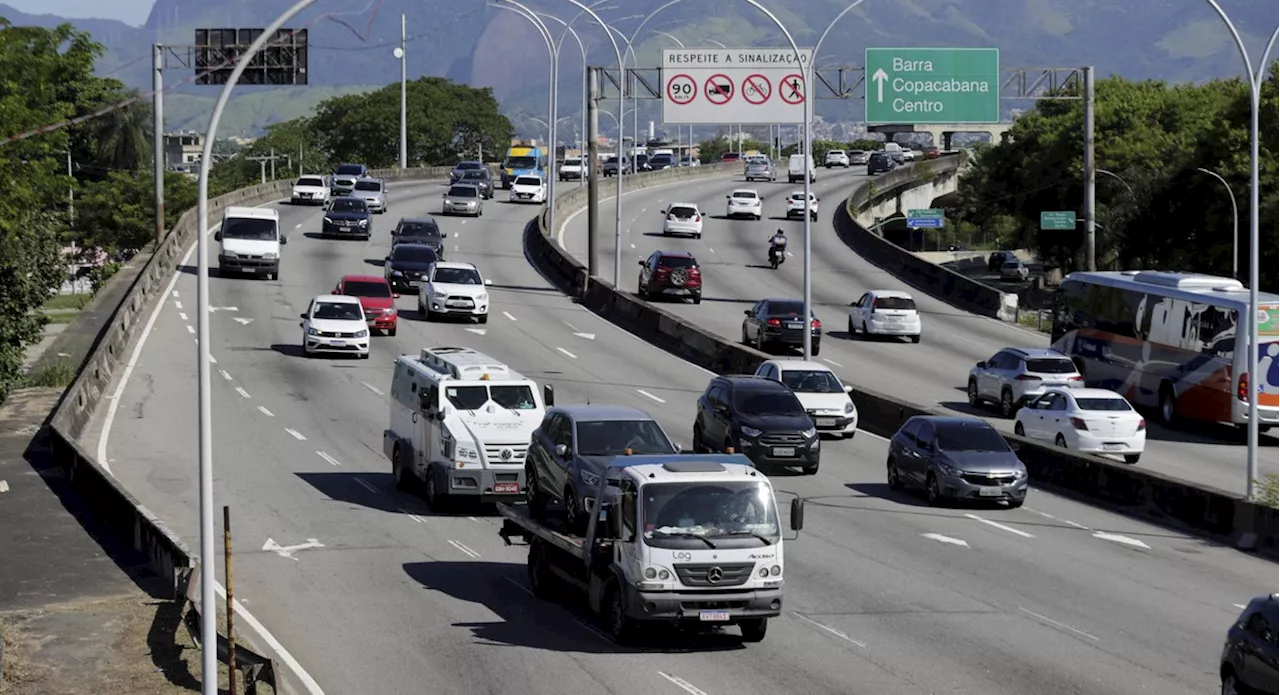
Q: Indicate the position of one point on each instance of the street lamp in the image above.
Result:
(568, 29)
(1235, 222)
(1255, 88)
(209, 626)
(400, 53)
(1116, 176)
(622, 78)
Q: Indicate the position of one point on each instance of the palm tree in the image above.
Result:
(122, 138)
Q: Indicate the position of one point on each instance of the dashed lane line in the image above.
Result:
(650, 396)
(225, 374)
(683, 684)
(832, 362)
(244, 394)
(296, 434)
(1055, 623)
(331, 460)
(190, 328)
(464, 549)
(830, 630)
(1002, 527)
(183, 315)
(178, 305)
(416, 519)
(373, 388)
(368, 486)
(508, 315)
(566, 352)
(266, 412)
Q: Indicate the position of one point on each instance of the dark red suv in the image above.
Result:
(668, 273)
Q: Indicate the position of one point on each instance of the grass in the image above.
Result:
(62, 316)
(67, 302)
(1027, 319)
(1268, 491)
(58, 373)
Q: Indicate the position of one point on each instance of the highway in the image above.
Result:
(371, 592)
(934, 372)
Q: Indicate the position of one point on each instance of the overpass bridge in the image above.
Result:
(942, 133)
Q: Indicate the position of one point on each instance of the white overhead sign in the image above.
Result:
(748, 86)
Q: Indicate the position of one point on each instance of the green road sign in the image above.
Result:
(1059, 220)
(932, 85)
(922, 213)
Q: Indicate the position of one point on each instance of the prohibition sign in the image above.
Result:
(791, 89)
(719, 89)
(757, 89)
(681, 89)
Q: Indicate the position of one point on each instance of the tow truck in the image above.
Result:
(687, 540)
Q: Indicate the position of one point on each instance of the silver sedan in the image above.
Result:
(463, 200)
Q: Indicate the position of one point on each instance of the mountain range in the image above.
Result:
(351, 42)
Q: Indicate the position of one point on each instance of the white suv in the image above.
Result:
(572, 169)
(885, 312)
(796, 206)
(682, 218)
(454, 289)
(744, 202)
(837, 158)
(1014, 376)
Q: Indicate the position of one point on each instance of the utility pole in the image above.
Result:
(273, 164)
(71, 193)
(299, 159)
(157, 134)
(593, 180)
(401, 53)
(1090, 175)
(262, 163)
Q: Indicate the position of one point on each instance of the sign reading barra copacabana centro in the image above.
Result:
(929, 86)
(716, 86)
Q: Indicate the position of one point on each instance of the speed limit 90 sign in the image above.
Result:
(681, 89)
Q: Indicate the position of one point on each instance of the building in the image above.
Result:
(182, 150)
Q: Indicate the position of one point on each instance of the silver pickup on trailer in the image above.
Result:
(681, 539)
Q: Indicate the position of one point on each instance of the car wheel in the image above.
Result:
(754, 629)
(365, 356)
(542, 581)
(432, 491)
(816, 347)
(933, 492)
(622, 629)
(1132, 458)
(915, 338)
(1168, 405)
(403, 479)
(574, 517)
(391, 332)
(698, 447)
(1007, 407)
(533, 495)
(866, 334)
(975, 400)
(760, 341)
(892, 476)
(745, 339)
(1060, 441)
(482, 318)
(1230, 684)
(1018, 429)
(697, 298)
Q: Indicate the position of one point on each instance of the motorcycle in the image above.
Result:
(777, 254)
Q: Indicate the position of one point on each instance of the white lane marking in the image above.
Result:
(683, 684)
(332, 461)
(478, 521)
(829, 629)
(1002, 527)
(1241, 606)
(175, 292)
(478, 331)
(416, 519)
(296, 434)
(464, 549)
(1123, 540)
(588, 336)
(633, 245)
(1046, 515)
(242, 322)
(711, 249)
(216, 309)
(224, 374)
(245, 394)
(213, 360)
(177, 304)
(508, 315)
(4, 486)
(570, 354)
(298, 226)
(945, 539)
(308, 683)
(266, 412)
(571, 326)
(650, 396)
(373, 388)
(832, 362)
(367, 485)
(1064, 626)
(287, 551)
(190, 329)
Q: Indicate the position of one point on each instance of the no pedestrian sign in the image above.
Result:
(751, 86)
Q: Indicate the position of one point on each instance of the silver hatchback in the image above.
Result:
(462, 199)
(374, 194)
(761, 170)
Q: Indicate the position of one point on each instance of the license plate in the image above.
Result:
(345, 228)
(458, 303)
(826, 422)
(336, 343)
(506, 488)
(415, 283)
(713, 616)
(1113, 447)
(781, 451)
(793, 326)
(990, 492)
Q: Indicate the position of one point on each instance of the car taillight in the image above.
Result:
(816, 323)
(671, 218)
(1142, 424)
(697, 218)
(1028, 377)
(662, 271)
(1078, 424)
(1076, 378)
(1242, 386)
(774, 322)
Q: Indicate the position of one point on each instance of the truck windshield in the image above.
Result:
(614, 437)
(249, 228)
(511, 396)
(522, 162)
(674, 512)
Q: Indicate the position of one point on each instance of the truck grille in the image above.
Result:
(333, 334)
(731, 574)
(781, 439)
(515, 452)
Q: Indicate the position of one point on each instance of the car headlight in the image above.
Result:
(270, 255)
(1019, 474)
(396, 273)
(466, 452)
(950, 470)
(362, 334)
(809, 433)
(389, 312)
(750, 431)
(589, 479)
(229, 254)
(364, 223)
(848, 407)
(328, 220)
(656, 573)
(312, 331)
(482, 297)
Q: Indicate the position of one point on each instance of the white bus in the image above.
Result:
(1177, 342)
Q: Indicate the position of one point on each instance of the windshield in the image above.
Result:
(811, 381)
(420, 230)
(614, 437)
(477, 175)
(318, 183)
(709, 510)
(522, 162)
(528, 181)
(677, 262)
(748, 195)
(572, 162)
(467, 166)
(759, 403)
(346, 311)
(457, 276)
(661, 159)
(368, 186)
(970, 437)
(350, 169)
(838, 153)
(898, 303)
(514, 397)
(682, 212)
(249, 228)
(404, 252)
(1051, 365)
(1110, 404)
(348, 205)
(366, 289)
(463, 192)
(793, 308)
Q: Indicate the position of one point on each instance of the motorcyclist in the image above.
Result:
(777, 243)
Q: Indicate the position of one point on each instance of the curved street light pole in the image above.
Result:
(635, 111)
(681, 45)
(208, 572)
(1235, 222)
(1254, 353)
(568, 29)
(1116, 176)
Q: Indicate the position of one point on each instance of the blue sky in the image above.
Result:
(129, 11)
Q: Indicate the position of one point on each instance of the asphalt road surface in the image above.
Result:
(736, 274)
(884, 595)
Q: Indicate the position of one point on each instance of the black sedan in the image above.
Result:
(778, 322)
(480, 179)
(419, 230)
(407, 265)
(462, 168)
(347, 217)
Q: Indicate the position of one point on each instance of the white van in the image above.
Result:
(796, 169)
(250, 241)
(461, 423)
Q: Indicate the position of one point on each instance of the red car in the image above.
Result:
(376, 297)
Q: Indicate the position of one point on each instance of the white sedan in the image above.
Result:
(1091, 421)
(744, 202)
(796, 206)
(682, 218)
(885, 312)
(528, 189)
(335, 324)
(820, 393)
(309, 190)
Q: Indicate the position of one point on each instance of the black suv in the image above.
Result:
(419, 230)
(880, 162)
(760, 418)
(1249, 655)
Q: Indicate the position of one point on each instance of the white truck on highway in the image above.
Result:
(686, 539)
(461, 423)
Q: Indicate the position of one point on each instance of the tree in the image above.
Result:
(117, 211)
(292, 139)
(710, 151)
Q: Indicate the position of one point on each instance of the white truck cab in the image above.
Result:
(250, 241)
(461, 423)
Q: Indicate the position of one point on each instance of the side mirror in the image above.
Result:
(981, 365)
(562, 450)
(641, 263)
(386, 258)
(797, 514)
(424, 402)
(488, 282)
(302, 315)
(848, 389)
(444, 195)
(746, 312)
(395, 295)
(728, 197)
(217, 236)
(440, 415)
(548, 395)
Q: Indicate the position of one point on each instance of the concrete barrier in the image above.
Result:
(1130, 489)
(934, 280)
